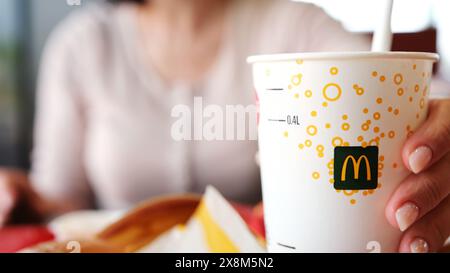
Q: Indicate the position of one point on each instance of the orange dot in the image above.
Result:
(374, 142)
(325, 104)
(359, 91)
(365, 111)
(382, 135)
(360, 138)
(408, 128)
(365, 127)
(353, 201)
(328, 126)
(414, 66)
(345, 127)
(374, 74)
(331, 180)
(308, 143)
(286, 134)
(382, 78)
(376, 116)
(398, 79)
(350, 192)
(369, 122)
(308, 93)
(379, 100)
(410, 99)
(344, 117)
(376, 129)
(296, 96)
(394, 165)
(365, 193)
(400, 92)
(422, 103)
(391, 134)
(390, 109)
(417, 116)
(396, 112)
(313, 113)
(364, 144)
(300, 146)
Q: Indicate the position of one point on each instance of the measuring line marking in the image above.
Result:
(275, 89)
(286, 246)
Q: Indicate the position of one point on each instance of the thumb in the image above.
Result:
(432, 141)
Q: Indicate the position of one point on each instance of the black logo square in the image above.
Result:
(356, 168)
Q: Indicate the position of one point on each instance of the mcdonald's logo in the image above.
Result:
(355, 168)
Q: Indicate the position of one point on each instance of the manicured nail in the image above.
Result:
(419, 159)
(419, 246)
(406, 215)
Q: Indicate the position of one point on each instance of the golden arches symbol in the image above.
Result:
(356, 165)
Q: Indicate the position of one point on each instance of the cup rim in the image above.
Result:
(343, 55)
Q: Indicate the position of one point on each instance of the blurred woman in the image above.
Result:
(112, 73)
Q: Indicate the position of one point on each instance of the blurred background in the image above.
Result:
(420, 25)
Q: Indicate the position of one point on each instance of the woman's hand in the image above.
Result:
(420, 206)
(19, 203)
(11, 184)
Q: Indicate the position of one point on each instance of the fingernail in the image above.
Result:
(406, 215)
(419, 159)
(419, 246)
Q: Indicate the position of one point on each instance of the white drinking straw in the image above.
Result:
(382, 39)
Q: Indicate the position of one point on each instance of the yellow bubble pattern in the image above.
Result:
(358, 89)
(316, 175)
(372, 127)
(308, 93)
(332, 92)
(334, 71)
(311, 130)
(398, 79)
(296, 80)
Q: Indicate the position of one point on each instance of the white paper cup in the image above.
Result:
(322, 116)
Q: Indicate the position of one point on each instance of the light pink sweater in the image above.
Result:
(104, 116)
